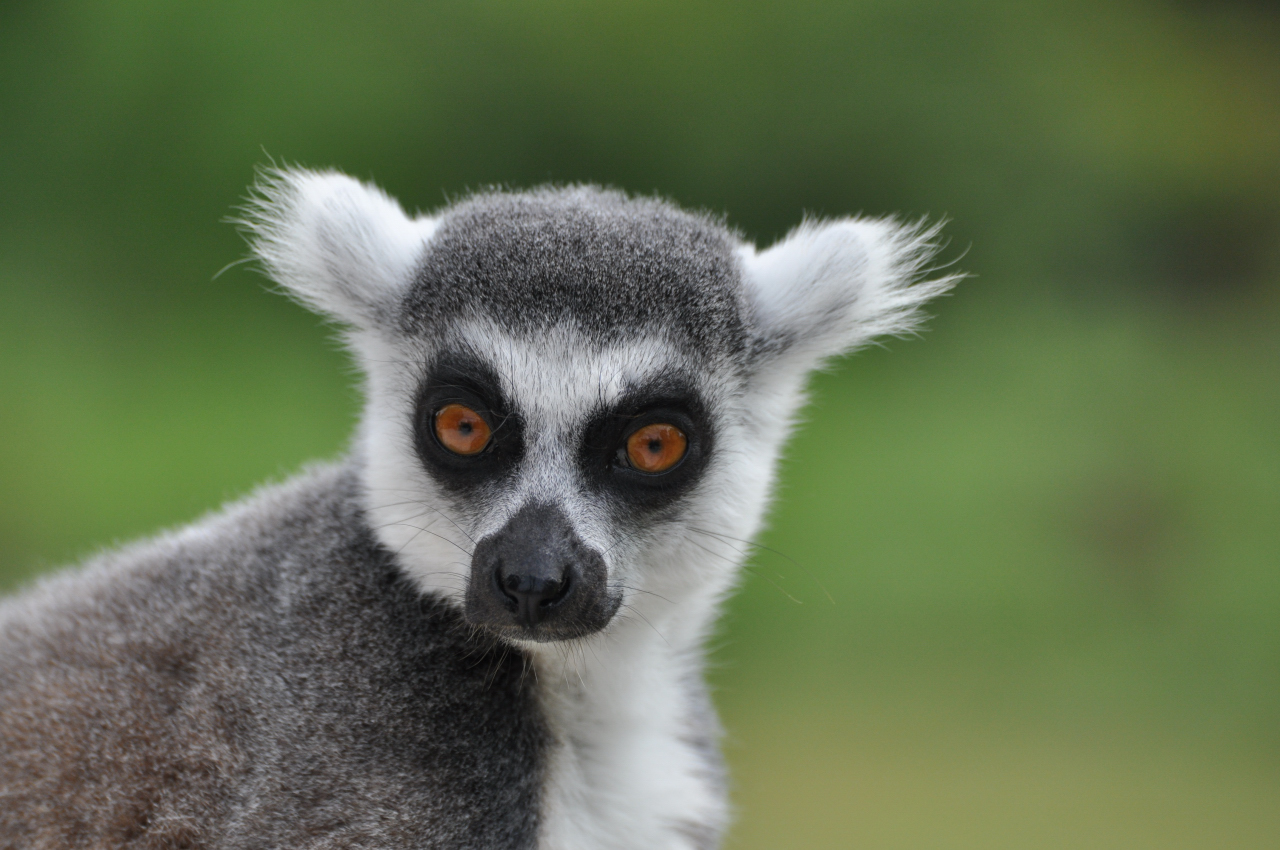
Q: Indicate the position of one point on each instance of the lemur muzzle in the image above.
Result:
(536, 578)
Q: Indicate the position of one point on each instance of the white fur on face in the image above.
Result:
(348, 250)
(556, 382)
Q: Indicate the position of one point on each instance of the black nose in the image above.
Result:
(536, 579)
(533, 595)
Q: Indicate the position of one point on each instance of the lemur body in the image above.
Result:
(485, 627)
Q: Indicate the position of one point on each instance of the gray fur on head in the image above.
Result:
(613, 267)
(485, 628)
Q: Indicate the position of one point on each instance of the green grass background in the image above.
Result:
(1049, 528)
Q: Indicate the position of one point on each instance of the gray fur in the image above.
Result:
(613, 266)
(318, 667)
(264, 679)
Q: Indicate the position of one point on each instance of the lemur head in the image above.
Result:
(576, 399)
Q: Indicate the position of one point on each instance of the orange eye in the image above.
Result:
(656, 448)
(461, 430)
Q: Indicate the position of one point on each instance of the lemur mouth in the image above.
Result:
(536, 580)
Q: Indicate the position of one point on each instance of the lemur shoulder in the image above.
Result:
(484, 628)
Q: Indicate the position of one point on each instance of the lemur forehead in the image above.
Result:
(612, 266)
(560, 377)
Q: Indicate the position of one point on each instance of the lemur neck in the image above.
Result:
(634, 761)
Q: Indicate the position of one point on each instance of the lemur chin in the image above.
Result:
(483, 628)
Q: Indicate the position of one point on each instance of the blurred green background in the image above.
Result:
(1050, 527)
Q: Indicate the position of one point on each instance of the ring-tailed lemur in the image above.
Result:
(485, 627)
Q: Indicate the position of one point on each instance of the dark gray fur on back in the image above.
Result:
(267, 679)
(614, 266)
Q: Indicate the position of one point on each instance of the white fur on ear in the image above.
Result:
(832, 286)
(341, 247)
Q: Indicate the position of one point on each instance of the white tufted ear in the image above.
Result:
(341, 247)
(832, 286)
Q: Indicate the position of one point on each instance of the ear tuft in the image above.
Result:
(341, 247)
(832, 286)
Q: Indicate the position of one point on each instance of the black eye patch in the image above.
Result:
(603, 455)
(467, 381)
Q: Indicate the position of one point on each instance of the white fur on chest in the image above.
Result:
(624, 771)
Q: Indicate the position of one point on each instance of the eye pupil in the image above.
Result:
(461, 430)
(656, 448)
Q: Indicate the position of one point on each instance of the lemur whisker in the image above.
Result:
(525, 664)
(641, 615)
(755, 572)
(462, 577)
(638, 590)
(624, 537)
(564, 663)
(429, 506)
(752, 544)
(750, 570)
(394, 504)
(421, 530)
(577, 668)
(413, 517)
(589, 642)
(497, 667)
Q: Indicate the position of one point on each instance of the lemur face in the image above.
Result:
(572, 359)
(575, 399)
(562, 466)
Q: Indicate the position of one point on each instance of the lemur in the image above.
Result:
(485, 627)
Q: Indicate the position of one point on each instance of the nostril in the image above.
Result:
(559, 592)
(531, 586)
(530, 597)
(500, 584)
